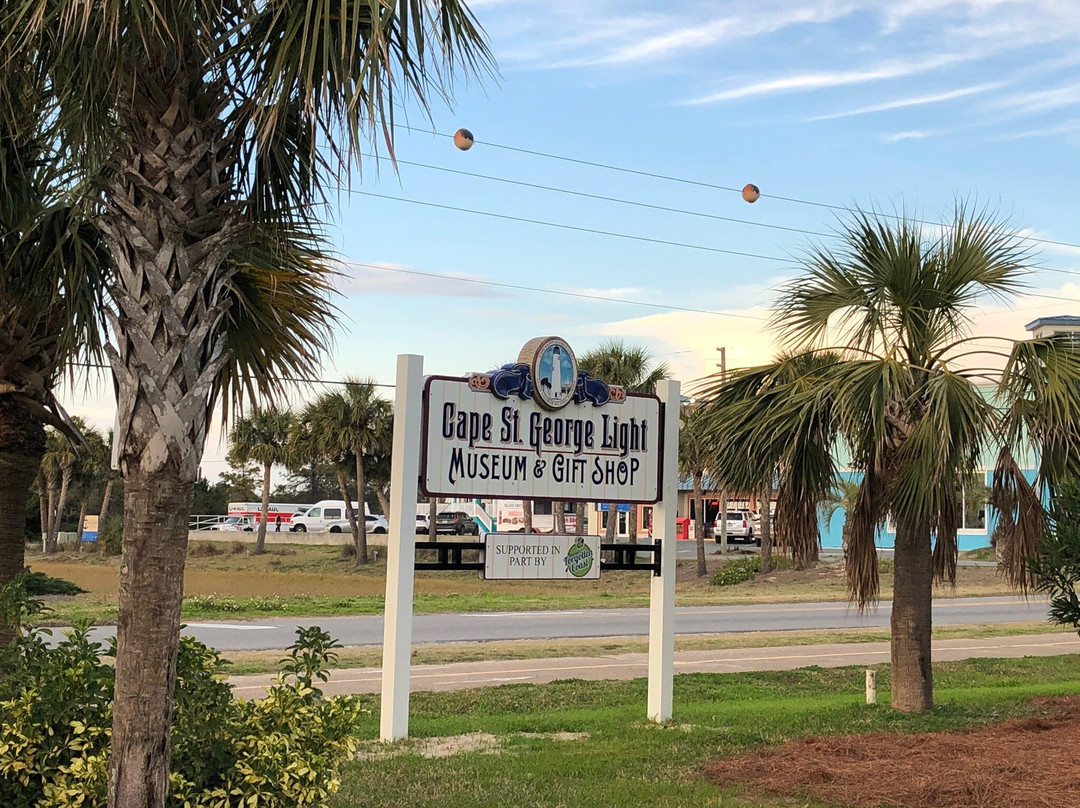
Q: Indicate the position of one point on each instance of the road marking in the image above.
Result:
(232, 626)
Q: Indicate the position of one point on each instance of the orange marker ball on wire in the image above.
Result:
(463, 139)
(751, 193)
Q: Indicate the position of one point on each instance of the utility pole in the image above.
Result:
(722, 364)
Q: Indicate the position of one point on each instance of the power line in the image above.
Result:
(572, 227)
(603, 198)
(612, 234)
(561, 292)
(701, 184)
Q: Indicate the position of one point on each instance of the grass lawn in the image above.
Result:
(227, 582)
(587, 744)
(250, 662)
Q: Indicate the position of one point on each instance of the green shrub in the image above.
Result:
(55, 715)
(38, 584)
(737, 570)
(885, 566)
(110, 536)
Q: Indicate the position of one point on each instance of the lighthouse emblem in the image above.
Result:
(554, 371)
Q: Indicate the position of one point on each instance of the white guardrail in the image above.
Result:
(205, 521)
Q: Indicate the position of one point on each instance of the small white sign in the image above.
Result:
(539, 556)
(476, 444)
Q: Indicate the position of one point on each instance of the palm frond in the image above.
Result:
(278, 324)
(1022, 520)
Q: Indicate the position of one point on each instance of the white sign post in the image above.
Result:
(662, 593)
(401, 549)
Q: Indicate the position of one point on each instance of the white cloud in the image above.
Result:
(749, 21)
(1034, 102)
(910, 134)
(809, 81)
(901, 103)
(395, 280)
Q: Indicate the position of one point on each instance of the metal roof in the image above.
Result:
(1063, 319)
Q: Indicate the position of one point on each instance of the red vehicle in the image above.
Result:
(282, 510)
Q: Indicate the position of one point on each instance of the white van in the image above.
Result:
(320, 515)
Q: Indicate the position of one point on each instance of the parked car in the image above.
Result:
(423, 523)
(376, 523)
(244, 524)
(740, 527)
(457, 522)
(320, 516)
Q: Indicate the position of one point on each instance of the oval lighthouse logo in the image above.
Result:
(554, 371)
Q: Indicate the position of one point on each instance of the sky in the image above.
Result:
(900, 105)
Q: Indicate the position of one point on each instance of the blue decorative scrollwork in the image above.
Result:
(516, 379)
(512, 379)
(591, 389)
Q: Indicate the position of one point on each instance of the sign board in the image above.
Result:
(534, 556)
(540, 429)
(90, 528)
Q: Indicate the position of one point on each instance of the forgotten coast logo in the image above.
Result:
(579, 558)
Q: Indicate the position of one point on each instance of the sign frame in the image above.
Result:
(425, 435)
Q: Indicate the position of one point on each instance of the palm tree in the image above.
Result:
(841, 498)
(694, 457)
(218, 128)
(894, 388)
(57, 468)
(352, 423)
(629, 366)
(111, 475)
(50, 286)
(90, 471)
(261, 437)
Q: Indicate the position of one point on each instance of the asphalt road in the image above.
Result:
(431, 628)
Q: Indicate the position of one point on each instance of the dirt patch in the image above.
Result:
(456, 744)
(1025, 762)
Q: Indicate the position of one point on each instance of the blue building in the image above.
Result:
(977, 518)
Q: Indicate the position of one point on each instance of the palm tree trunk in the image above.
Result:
(699, 525)
(579, 519)
(170, 225)
(612, 521)
(43, 510)
(559, 509)
(632, 520)
(103, 511)
(350, 514)
(156, 508)
(911, 622)
(766, 529)
(433, 514)
(527, 515)
(61, 503)
(384, 500)
(360, 534)
(79, 525)
(723, 523)
(22, 445)
(53, 527)
(264, 511)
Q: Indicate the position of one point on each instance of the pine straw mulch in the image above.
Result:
(1024, 762)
